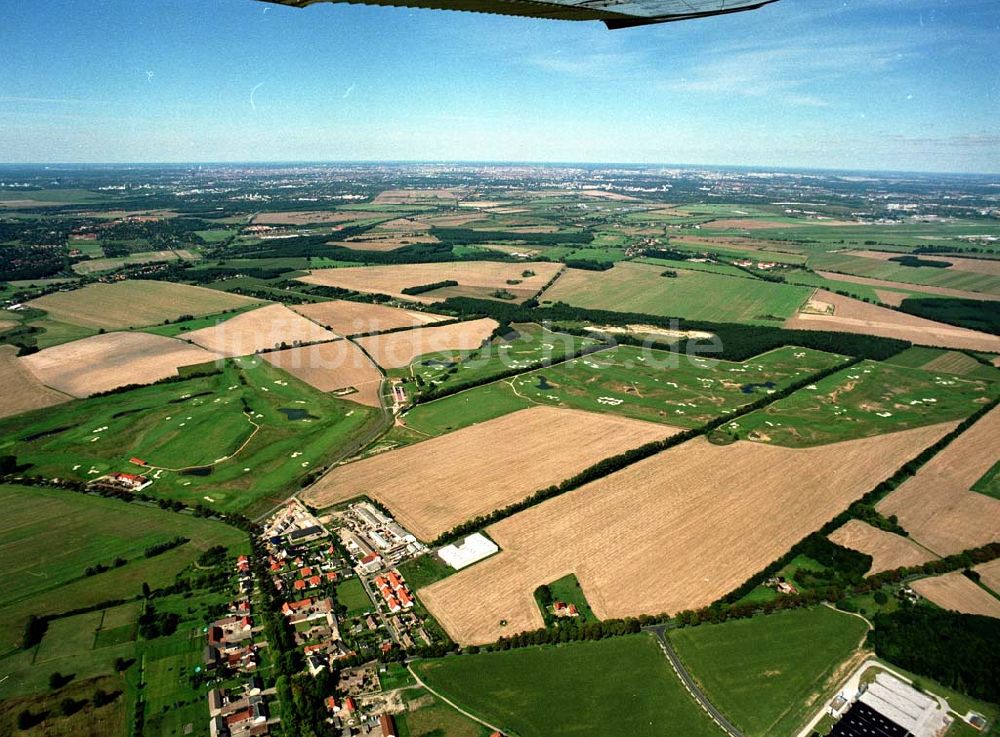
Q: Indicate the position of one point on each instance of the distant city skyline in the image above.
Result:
(865, 85)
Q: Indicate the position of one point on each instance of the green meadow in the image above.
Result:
(869, 398)
(227, 440)
(767, 674)
(619, 686)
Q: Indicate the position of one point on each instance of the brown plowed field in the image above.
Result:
(21, 390)
(434, 485)
(888, 551)
(854, 316)
(352, 318)
(330, 367)
(990, 573)
(397, 350)
(672, 532)
(956, 592)
(103, 362)
(937, 507)
(135, 303)
(393, 279)
(257, 330)
(915, 288)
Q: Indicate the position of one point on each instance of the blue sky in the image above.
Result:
(859, 84)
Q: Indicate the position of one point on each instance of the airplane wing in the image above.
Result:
(614, 13)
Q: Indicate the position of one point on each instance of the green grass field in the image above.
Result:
(923, 275)
(49, 537)
(867, 399)
(767, 674)
(949, 362)
(427, 716)
(695, 295)
(568, 590)
(641, 383)
(989, 484)
(189, 424)
(351, 594)
(530, 344)
(620, 686)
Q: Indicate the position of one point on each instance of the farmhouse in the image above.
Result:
(124, 481)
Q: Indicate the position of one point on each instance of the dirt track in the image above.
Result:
(672, 532)
(436, 484)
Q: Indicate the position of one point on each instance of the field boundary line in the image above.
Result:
(451, 703)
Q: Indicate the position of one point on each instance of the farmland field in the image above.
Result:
(262, 329)
(879, 268)
(787, 664)
(351, 318)
(396, 350)
(888, 550)
(705, 517)
(21, 390)
(937, 507)
(989, 484)
(695, 295)
(479, 275)
(854, 316)
(958, 593)
(869, 398)
(49, 537)
(948, 362)
(198, 425)
(565, 690)
(471, 472)
(332, 367)
(134, 303)
(104, 362)
(640, 383)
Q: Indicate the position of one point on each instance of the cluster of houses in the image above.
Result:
(240, 712)
(374, 539)
(394, 592)
(230, 652)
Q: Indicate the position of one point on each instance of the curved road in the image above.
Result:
(697, 694)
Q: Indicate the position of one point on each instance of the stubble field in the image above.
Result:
(397, 350)
(956, 592)
(672, 532)
(135, 303)
(888, 550)
(435, 485)
(330, 367)
(21, 390)
(352, 318)
(937, 507)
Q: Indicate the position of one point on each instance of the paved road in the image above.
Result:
(450, 703)
(696, 693)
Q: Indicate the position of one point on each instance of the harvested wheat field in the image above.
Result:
(394, 279)
(937, 507)
(453, 220)
(265, 328)
(956, 592)
(888, 550)
(434, 485)
(918, 290)
(990, 574)
(353, 318)
(672, 532)
(397, 350)
(103, 362)
(313, 217)
(135, 303)
(854, 316)
(332, 367)
(748, 224)
(21, 390)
